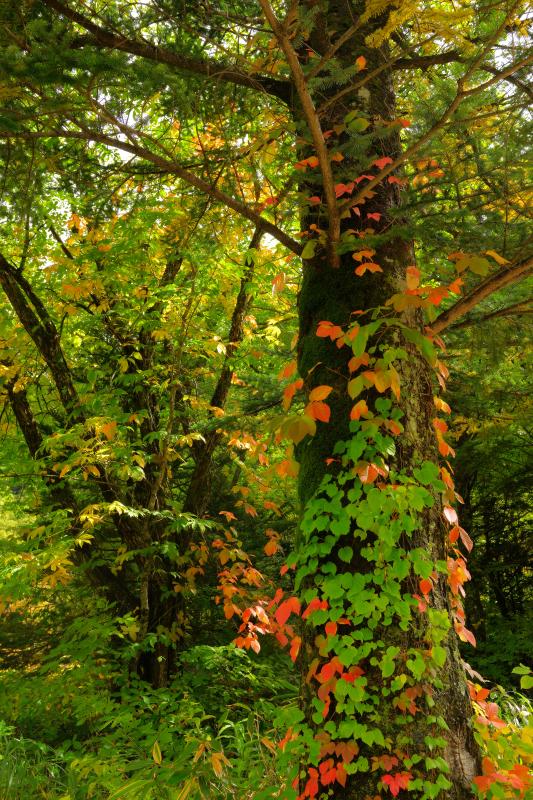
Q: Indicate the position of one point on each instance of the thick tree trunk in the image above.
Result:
(334, 293)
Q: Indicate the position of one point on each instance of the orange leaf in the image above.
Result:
(358, 361)
(320, 393)
(363, 254)
(328, 329)
(359, 409)
(360, 63)
(318, 410)
(271, 547)
(367, 265)
(425, 586)
(109, 429)
(295, 647)
(287, 371)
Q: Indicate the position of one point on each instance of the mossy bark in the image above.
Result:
(334, 294)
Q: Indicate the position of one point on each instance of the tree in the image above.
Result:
(314, 126)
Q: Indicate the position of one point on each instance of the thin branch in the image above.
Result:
(315, 129)
(504, 277)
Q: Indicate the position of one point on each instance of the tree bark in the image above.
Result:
(334, 293)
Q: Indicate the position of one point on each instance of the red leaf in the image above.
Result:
(397, 781)
(425, 586)
(315, 605)
(375, 215)
(382, 162)
(331, 628)
(285, 609)
(315, 200)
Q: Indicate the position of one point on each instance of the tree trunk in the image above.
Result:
(402, 676)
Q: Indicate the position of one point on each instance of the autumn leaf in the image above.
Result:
(380, 163)
(359, 409)
(320, 393)
(285, 609)
(109, 429)
(318, 411)
(397, 781)
(367, 265)
(328, 329)
(156, 753)
(412, 278)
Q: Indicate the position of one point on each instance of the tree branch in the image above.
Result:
(502, 278)
(170, 168)
(461, 95)
(198, 491)
(516, 309)
(315, 129)
(43, 332)
(209, 69)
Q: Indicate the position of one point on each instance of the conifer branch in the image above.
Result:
(504, 277)
(209, 69)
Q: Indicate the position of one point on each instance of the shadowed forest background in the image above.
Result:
(265, 417)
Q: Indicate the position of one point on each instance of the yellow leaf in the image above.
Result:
(64, 471)
(499, 259)
(187, 788)
(296, 428)
(109, 429)
(156, 753)
(382, 380)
